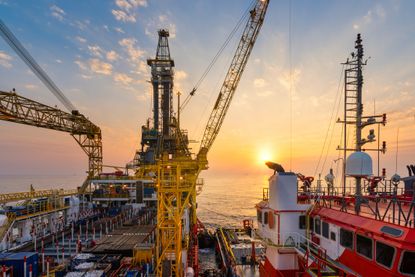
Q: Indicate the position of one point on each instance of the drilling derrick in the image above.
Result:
(165, 156)
(159, 136)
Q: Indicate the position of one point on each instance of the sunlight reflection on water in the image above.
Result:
(224, 201)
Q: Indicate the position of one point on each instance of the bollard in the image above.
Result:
(47, 267)
(4, 270)
(72, 230)
(30, 270)
(24, 266)
(57, 252)
(43, 257)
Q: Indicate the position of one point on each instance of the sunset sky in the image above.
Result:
(96, 52)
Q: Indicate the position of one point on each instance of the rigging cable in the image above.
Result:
(334, 123)
(330, 122)
(397, 148)
(291, 81)
(216, 57)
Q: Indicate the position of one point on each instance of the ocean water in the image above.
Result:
(224, 201)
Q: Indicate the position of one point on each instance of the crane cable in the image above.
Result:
(216, 57)
(14, 43)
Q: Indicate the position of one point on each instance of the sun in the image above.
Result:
(264, 155)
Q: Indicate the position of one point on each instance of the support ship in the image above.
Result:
(141, 220)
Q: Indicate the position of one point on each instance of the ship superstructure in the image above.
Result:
(366, 229)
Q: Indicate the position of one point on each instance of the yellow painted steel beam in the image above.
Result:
(17, 196)
(21, 110)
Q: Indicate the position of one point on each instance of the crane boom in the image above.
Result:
(18, 109)
(249, 36)
(14, 43)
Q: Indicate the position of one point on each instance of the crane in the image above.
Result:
(233, 76)
(18, 109)
(177, 173)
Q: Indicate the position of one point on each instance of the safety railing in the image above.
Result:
(391, 208)
(16, 196)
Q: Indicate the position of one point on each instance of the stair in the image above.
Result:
(6, 227)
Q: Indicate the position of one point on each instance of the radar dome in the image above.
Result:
(359, 164)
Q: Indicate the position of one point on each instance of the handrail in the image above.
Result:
(16, 196)
(385, 208)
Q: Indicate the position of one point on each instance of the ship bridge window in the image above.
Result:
(407, 263)
(265, 217)
(325, 230)
(364, 246)
(302, 222)
(259, 216)
(394, 232)
(384, 254)
(311, 223)
(346, 238)
(317, 226)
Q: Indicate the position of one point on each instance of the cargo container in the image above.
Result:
(16, 260)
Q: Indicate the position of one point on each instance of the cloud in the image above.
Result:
(80, 39)
(375, 14)
(180, 75)
(58, 61)
(123, 16)
(264, 93)
(126, 9)
(161, 22)
(57, 12)
(95, 50)
(87, 77)
(123, 78)
(94, 66)
(5, 60)
(286, 81)
(100, 67)
(129, 45)
(130, 4)
(30, 86)
(119, 30)
(259, 83)
(112, 56)
(142, 68)
(81, 65)
(80, 25)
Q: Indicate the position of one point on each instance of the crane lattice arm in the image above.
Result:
(18, 109)
(15, 44)
(233, 76)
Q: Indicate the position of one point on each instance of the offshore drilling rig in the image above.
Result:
(165, 156)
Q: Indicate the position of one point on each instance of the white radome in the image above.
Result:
(359, 164)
